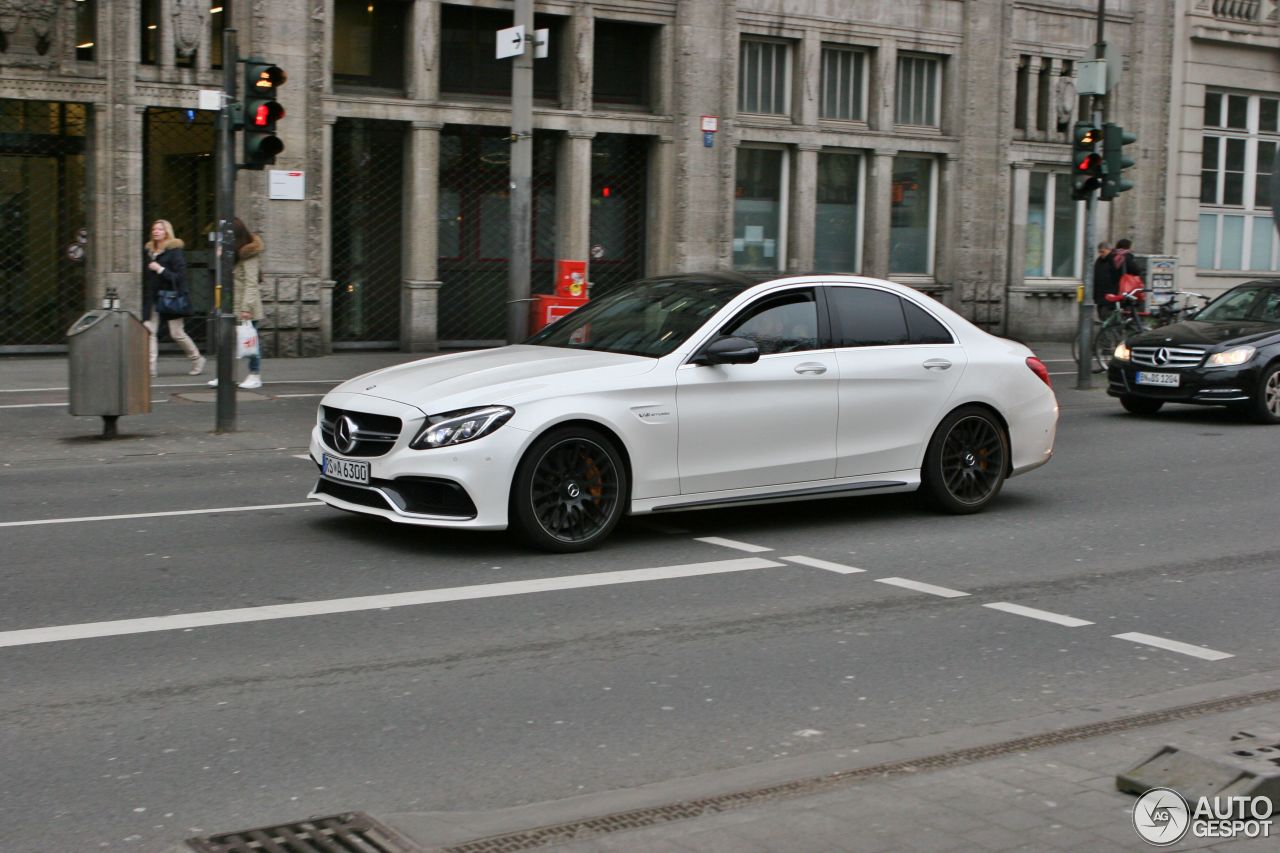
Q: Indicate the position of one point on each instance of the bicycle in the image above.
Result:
(1126, 320)
(1164, 313)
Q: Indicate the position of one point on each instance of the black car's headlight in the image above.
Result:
(457, 427)
(1121, 352)
(1233, 356)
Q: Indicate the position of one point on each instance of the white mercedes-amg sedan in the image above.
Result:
(689, 391)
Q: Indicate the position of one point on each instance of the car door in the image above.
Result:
(899, 366)
(772, 422)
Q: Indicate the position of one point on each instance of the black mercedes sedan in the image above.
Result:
(1228, 354)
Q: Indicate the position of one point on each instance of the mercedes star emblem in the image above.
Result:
(344, 434)
(1161, 356)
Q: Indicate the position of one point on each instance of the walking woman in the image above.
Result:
(247, 297)
(166, 269)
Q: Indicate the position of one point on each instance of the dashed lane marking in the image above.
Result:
(183, 621)
(210, 511)
(730, 543)
(838, 568)
(1173, 646)
(927, 588)
(1042, 615)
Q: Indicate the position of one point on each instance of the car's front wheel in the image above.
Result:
(1265, 407)
(1140, 405)
(965, 464)
(570, 490)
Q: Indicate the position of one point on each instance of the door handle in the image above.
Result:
(811, 367)
(937, 364)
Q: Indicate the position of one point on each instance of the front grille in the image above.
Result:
(374, 434)
(356, 832)
(352, 494)
(1167, 356)
(417, 495)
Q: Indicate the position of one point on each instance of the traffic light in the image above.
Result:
(261, 111)
(1086, 162)
(1114, 161)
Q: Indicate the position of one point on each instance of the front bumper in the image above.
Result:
(1207, 386)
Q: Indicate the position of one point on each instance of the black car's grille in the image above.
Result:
(374, 434)
(1167, 356)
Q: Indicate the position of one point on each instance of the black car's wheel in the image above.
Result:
(1265, 406)
(965, 464)
(570, 490)
(1140, 405)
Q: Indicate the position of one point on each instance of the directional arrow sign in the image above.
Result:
(510, 42)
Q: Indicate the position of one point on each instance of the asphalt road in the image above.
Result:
(505, 695)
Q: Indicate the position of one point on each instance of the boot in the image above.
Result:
(197, 366)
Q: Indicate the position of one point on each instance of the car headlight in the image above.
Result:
(1237, 355)
(451, 428)
(1121, 352)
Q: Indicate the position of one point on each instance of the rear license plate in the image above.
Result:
(1169, 380)
(347, 470)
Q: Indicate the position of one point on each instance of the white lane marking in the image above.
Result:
(1173, 646)
(58, 633)
(823, 564)
(1043, 615)
(917, 586)
(306, 456)
(730, 543)
(154, 514)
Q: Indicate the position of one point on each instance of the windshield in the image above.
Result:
(649, 318)
(1244, 303)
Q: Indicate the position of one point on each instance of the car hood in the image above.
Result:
(506, 375)
(1205, 333)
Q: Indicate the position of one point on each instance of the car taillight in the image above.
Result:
(1038, 368)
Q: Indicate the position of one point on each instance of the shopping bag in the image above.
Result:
(173, 303)
(1130, 282)
(246, 340)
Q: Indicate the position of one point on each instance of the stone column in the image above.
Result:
(575, 58)
(884, 82)
(166, 36)
(419, 296)
(809, 74)
(573, 196)
(422, 52)
(326, 316)
(879, 202)
(804, 208)
(661, 194)
(1033, 98)
(945, 235)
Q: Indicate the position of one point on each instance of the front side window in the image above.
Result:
(838, 221)
(918, 86)
(1053, 228)
(843, 84)
(369, 43)
(759, 200)
(1237, 157)
(786, 323)
(912, 215)
(764, 77)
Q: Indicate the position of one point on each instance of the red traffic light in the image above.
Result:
(266, 114)
(1089, 163)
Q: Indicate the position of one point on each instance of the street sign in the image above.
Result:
(510, 42)
(1112, 60)
(541, 41)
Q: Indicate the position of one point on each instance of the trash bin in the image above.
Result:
(109, 366)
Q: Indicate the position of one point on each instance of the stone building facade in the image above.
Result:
(923, 140)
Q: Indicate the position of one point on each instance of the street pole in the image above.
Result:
(521, 179)
(224, 290)
(1097, 103)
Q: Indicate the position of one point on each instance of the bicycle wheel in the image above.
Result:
(1104, 345)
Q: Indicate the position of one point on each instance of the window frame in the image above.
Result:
(857, 89)
(859, 203)
(935, 173)
(760, 42)
(1050, 225)
(1215, 216)
(934, 80)
(784, 202)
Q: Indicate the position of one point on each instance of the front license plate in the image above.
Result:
(347, 470)
(1168, 380)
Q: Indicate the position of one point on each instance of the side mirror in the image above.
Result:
(728, 350)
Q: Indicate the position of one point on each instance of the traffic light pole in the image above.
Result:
(224, 290)
(521, 179)
(1084, 366)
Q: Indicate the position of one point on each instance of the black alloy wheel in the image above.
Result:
(1265, 406)
(966, 462)
(570, 490)
(1140, 405)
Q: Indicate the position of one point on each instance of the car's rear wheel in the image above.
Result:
(1140, 405)
(570, 490)
(1265, 407)
(965, 464)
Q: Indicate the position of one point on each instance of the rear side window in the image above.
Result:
(923, 327)
(863, 317)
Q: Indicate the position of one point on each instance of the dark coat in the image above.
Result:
(1107, 271)
(174, 276)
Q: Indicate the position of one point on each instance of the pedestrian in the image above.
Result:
(166, 270)
(247, 296)
(1103, 281)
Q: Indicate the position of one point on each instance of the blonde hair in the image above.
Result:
(168, 234)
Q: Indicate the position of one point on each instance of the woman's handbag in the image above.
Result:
(246, 340)
(175, 303)
(1130, 282)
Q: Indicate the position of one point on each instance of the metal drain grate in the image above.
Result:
(352, 832)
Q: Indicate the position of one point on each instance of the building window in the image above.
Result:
(917, 91)
(369, 43)
(764, 77)
(219, 20)
(843, 84)
(149, 42)
(467, 62)
(838, 223)
(760, 197)
(86, 29)
(1237, 157)
(912, 215)
(621, 64)
(1054, 228)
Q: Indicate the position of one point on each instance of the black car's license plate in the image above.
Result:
(1167, 380)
